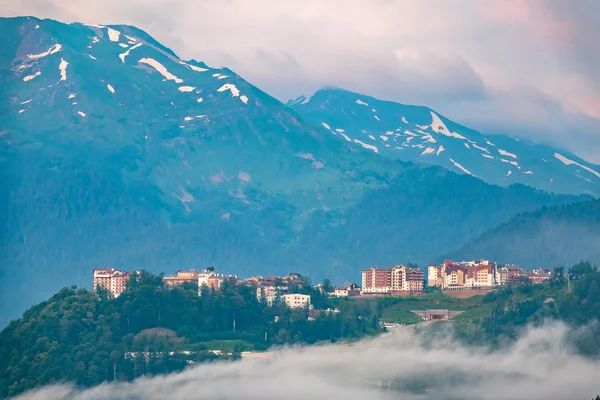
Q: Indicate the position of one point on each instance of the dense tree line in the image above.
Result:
(572, 296)
(87, 338)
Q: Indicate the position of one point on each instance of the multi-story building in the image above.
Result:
(111, 279)
(414, 280)
(270, 293)
(296, 300)
(434, 276)
(181, 277)
(376, 280)
(390, 280)
(454, 276)
(480, 276)
(211, 279)
(501, 276)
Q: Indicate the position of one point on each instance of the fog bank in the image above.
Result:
(398, 365)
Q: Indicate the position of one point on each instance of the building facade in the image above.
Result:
(296, 300)
(389, 280)
(181, 277)
(112, 280)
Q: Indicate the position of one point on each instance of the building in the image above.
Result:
(181, 277)
(501, 276)
(376, 280)
(480, 276)
(111, 279)
(389, 280)
(540, 275)
(211, 279)
(434, 276)
(270, 293)
(414, 280)
(296, 300)
(454, 276)
(349, 289)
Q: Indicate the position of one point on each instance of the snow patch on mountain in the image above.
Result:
(113, 35)
(195, 68)
(376, 117)
(110, 88)
(362, 103)
(160, 68)
(383, 137)
(439, 150)
(30, 77)
(439, 127)
(428, 150)
(367, 146)
(26, 101)
(54, 49)
(231, 87)
(185, 89)
(506, 153)
(345, 136)
(81, 113)
(457, 165)
(62, 67)
(528, 173)
(326, 126)
(404, 120)
(244, 176)
(487, 156)
(567, 161)
(124, 45)
(480, 148)
(92, 57)
(123, 55)
(244, 99)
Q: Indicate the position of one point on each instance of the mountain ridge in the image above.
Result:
(423, 135)
(130, 157)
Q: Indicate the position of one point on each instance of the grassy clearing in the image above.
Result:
(398, 309)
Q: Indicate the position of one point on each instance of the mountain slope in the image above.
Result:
(419, 134)
(116, 153)
(564, 234)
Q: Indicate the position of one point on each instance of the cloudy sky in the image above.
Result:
(539, 366)
(523, 67)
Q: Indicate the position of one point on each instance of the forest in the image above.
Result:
(88, 338)
(571, 296)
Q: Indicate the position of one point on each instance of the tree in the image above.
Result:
(326, 286)
(581, 269)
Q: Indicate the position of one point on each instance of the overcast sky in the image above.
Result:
(528, 68)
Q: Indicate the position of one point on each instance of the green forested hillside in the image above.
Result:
(86, 339)
(509, 310)
(550, 236)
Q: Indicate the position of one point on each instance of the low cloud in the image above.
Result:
(401, 365)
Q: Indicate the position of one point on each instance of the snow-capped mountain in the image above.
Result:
(116, 152)
(420, 134)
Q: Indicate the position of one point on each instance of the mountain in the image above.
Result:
(114, 152)
(420, 134)
(550, 236)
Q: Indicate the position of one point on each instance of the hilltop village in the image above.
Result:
(462, 279)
